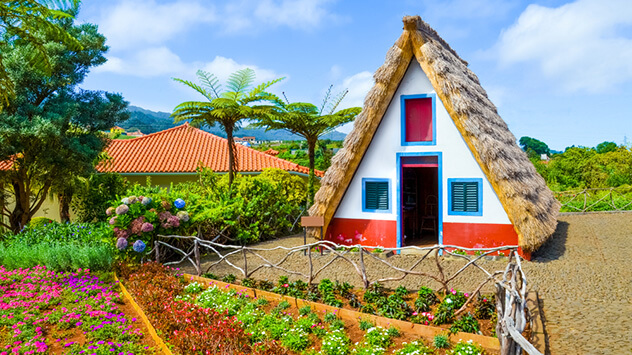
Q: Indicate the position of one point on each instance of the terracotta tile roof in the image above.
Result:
(180, 149)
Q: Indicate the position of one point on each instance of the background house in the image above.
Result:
(430, 161)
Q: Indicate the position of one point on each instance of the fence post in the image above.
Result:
(243, 250)
(365, 280)
(196, 252)
(156, 244)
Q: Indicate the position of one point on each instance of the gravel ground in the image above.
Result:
(582, 275)
(584, 280)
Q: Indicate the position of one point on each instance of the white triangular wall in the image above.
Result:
(380, 159)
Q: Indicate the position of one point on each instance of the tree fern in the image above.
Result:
(309, 121)
(228, 108)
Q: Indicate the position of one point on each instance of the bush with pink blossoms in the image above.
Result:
(141, 218)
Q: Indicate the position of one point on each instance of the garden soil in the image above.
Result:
(583, 276)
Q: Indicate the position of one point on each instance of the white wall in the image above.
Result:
(380, 159)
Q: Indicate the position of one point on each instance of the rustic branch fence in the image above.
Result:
(510, 283)
(597, 199)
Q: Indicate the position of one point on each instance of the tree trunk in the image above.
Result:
(311, 182)
(64, 206)
(232, 163)
(20, 216)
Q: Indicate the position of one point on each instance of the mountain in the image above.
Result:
(151, 121)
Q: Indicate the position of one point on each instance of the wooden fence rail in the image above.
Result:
(510, 283)
(597, 199)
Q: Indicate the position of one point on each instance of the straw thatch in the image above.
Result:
(529, 203)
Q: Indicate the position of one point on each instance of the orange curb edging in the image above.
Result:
(152, 331)
(489, 343)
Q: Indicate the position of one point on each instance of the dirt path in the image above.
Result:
(584, 279)
(583, 276)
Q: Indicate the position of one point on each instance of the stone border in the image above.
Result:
(152, 331)
(538, 336)
(489, 343)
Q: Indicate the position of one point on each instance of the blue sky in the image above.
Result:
(559, 71)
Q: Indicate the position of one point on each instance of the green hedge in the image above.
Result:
(60, 247)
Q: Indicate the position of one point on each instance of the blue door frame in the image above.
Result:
(400, 237)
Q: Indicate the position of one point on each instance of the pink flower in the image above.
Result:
(286, 285)
(147, 227)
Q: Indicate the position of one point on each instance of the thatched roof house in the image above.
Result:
(530, 210)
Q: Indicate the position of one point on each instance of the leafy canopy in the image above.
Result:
(51, 131)
(33, 23)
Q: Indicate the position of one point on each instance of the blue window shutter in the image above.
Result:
(465, 196)
(376, 195)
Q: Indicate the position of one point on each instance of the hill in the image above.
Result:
(151, 121)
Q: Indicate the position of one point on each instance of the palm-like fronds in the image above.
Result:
(310, 122)
(211, 82)
(227, 108)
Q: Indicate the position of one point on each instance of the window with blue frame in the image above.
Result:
(376, 195)
(465, 197)
(418, 119)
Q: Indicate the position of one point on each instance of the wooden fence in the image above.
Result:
(511, 283)
(598, 199)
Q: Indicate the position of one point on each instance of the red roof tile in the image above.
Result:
(181, 149)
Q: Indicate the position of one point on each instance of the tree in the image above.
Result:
(51, 130)
(228, 108)
(531, 144)
(605, 147)
(310, 122)
(28, 20)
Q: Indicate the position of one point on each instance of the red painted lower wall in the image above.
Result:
(368, 232)
(481, 235)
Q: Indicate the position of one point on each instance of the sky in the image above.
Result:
(558, 71)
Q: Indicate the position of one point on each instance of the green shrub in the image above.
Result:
(365, 324)
(441, 341)
(336, 342)
(296, 339)
(466, 323)
(466, 348)
(485, 307)
(425, 298)
(305, 310)
(93, 198)
(59, 247)
(37, 222)
(414, 348)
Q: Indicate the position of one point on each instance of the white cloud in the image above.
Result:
(298, 14)
(133, 22)
(222, 67)
(358, 85)
(581, 46)
(150, 62)
(467, 9)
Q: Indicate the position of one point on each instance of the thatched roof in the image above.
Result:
(529, 203)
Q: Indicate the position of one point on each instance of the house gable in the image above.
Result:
(380, 161)
(529, 204)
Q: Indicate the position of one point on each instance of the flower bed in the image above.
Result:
(217, 319)
(42, 311)
(422, 307)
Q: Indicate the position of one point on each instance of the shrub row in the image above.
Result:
(59, 247)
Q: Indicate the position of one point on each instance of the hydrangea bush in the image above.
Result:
(136, 220)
